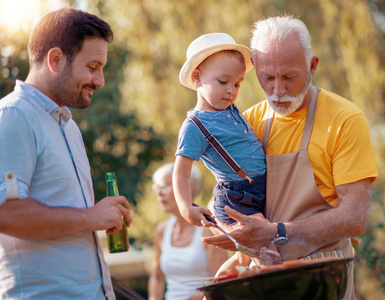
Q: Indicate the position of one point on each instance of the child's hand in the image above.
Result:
(195, 215)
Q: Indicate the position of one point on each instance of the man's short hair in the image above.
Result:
(275, 30)
(66, 29)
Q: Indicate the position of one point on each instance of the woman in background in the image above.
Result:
(180, 257)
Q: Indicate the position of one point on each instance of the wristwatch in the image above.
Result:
(281, 239)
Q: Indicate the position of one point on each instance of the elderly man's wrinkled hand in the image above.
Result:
(249, 231)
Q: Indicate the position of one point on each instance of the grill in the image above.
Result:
(322, 280)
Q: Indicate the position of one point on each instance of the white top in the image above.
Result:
(183, 263)
(51, 166)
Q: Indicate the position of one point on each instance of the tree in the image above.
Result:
(13, 59)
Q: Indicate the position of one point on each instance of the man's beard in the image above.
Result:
(63, 91)
(295, 102)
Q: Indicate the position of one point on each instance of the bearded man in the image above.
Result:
(49, 248)
(319, 159)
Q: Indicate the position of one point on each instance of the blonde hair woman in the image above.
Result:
(180, 256)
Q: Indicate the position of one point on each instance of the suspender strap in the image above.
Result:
(220, 149)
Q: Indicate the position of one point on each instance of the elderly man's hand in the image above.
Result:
(249, 231)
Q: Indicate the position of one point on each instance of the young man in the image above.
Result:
(48, 245)
(319, 158)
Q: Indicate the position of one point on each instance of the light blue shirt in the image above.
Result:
(43, 147)
(235, 134)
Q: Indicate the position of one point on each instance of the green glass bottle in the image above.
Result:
(117, 242)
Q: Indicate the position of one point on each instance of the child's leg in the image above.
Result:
(244, 259)
(232, 262)
(256, 261)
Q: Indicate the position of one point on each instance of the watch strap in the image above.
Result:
(281, 230)
(281, 239)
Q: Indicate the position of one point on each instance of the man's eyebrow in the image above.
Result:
(95, 61)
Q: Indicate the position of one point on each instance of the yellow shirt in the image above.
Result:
(340, 148)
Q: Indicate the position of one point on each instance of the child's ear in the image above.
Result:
(196, 77)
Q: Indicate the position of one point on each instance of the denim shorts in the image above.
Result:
(239, 195)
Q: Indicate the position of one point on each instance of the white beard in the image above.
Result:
(295, 102)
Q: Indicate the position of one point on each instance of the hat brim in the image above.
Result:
(191, 64)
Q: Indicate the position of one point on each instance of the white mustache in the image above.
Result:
(283, 98)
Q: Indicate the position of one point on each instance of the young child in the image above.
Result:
(215, 68)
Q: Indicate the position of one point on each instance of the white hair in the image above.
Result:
(195, 178)
(275, 30)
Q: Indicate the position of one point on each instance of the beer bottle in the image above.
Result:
(117, 242)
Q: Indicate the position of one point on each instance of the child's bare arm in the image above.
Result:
(182, 193)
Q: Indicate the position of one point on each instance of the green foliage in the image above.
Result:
(13, 60)
(370, 259)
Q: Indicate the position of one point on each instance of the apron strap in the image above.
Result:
(310, 116)
(266, 130)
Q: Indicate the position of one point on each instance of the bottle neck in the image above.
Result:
(111, 185)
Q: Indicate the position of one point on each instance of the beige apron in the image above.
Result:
(292, 194)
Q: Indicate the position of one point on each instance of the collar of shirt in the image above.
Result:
(45, 102)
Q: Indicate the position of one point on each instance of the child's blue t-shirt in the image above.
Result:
(235, 134)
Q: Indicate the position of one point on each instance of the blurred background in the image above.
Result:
(131, 127)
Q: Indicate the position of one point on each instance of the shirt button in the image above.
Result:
(245, 131)
(228, 115)
(235, 123)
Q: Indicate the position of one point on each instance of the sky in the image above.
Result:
(17, 14)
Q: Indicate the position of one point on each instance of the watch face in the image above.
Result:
(280, 241)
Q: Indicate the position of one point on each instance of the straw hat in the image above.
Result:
(203, 47)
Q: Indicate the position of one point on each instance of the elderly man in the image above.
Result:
(319, 158)
(48, 245)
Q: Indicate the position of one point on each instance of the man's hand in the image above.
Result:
(108, 214)
(249, 231)
(46, 222)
